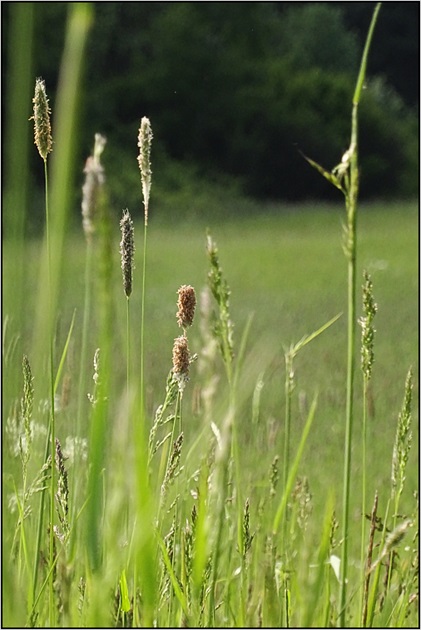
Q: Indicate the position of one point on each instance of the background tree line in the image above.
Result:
(237, 90)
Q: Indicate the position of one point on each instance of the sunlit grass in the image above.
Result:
(203, 465)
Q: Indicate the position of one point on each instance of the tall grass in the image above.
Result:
(190, 507)
(346, 177)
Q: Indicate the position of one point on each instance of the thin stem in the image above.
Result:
(288, 393)
(363, 488)
(363, 66)
(52, 409)
(348, 434)
(142, 326)
(128, 346)
(83, 353)
(351, 251)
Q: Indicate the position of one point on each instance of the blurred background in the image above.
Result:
(235, 91)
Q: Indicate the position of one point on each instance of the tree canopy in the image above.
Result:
(240, 89)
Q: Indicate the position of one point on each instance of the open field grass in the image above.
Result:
(195, 444)
(286, 269)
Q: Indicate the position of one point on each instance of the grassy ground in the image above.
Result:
(286, 268)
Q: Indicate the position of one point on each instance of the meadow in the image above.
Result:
(285, 270)
(207, 423)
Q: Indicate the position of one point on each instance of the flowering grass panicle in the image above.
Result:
(173, 466)
(181, 361)
(367, 329)
(41, 118)
(62, 495)
(127, 251)
(403, 439)
(144, 159)
(223, 326)
(247, 538)
(94, 180)
(186, 306)
(27, 403)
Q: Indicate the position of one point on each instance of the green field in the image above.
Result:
(193, 442)
(286, 269)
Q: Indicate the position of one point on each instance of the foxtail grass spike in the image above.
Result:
(144, 159)
(186, 306)
(94, 180)
(127, 251)
(41, 118)
(181, 361)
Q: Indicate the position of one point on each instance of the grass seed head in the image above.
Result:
(186, 306)
(367, 329)
(94, 180)
(62, 495)
(127, 251)
(403, 438)
(144, 159)
(173, 465)
(41, 118)
(181, 361)
(27, 403)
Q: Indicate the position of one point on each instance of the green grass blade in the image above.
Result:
(293, 470)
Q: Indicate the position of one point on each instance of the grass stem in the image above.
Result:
(351, 197)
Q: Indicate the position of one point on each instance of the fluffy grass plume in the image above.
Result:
(144, 159)
(41, 118)
(91, 191)
(186, 306)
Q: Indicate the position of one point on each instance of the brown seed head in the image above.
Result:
(186, 306)
(181, 361)
(127, 251)
(41, 118)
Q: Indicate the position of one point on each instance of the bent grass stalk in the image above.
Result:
(351, 197)
(345, 177)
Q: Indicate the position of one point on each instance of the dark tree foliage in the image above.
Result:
(242, 88)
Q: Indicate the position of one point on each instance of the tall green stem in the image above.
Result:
(142, 325)
(351, 251)
(128, 346)
(348, 434)
(363, 489)
(83, 356)
(50, 320)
